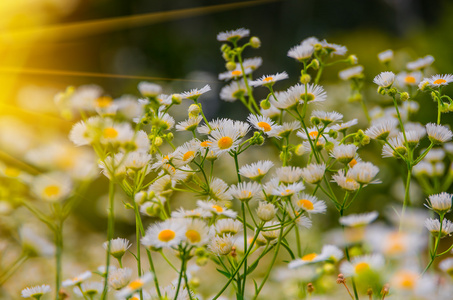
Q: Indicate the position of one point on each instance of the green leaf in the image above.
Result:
(289, 250)
(252, 267)
(228, 275)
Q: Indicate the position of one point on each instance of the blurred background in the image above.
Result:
(47, 45)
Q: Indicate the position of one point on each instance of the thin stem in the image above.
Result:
(58, 255)
(436, 245)
(110, 229)
(407, 200)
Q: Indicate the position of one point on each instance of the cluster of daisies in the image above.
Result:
(267, 205)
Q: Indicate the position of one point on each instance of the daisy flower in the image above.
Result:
(440, 203)
(420, 63)
(344, 153)
(289, 174)
(193, 94)
(345, 182)
(233, 91)
(288, 190)
(118, 247)
(134, 285)
(189, 125)
(186, 153)
(304, 221)
(166, 122)
(193, 213)
(232, 35)
(385, 56)
(344, 126)
(89, 289)
(197, 232)
(314, 173)
(285, 129)
(36, 291)
(382, 129)
(361, 265)
(224, 139)
(313, 93)
(327, 117)
(266, 211)
(164, 234)
(435, 155)
(218, 190)
(409, 79)
(385, 79)
(354, 72)
(252, 63)
(119, 278)
(256, 171)
(245, 191)
(227, 227)
(76, 280)
(433, 225)
(263, 123)
(446, 265)
(309, 203)
(334, 49)
(137, 160)
(395, 148)
(328, 252)
(301, 52)
(269, 80)
(216, 209)
(235, 74)
(363, 172)
(438, 134)
(149, 89)
(357, 220)
(440, 80)
(52, 187)
(222, 245)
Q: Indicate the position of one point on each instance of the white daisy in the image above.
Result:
(235, 74)
(164, 234)
(256, 171)
(224, 139)
(252, 63)
(233, 91)
(360, 265)
(433, 225)
(309, 203)
(440, 203)
(269, 80)
(216, 209)
(301, 52)
(409, 79)
(334, 49)
(89, 289)
(36, 291)
(285, 129)
(76, 280)
(345, 182)
(266, 211)
(232, 35)
(197, 232)
(438, 134)
(385, 79)
(289, 174)
(222, 245)
(149, 89)
(51, 187)
(304, 221)
(440, 80)
(327, 252)
(288, 190)
(344, 153)
(395, 148)
(446, 265)
(385, 56)
(357, 220)
(354, 72)
(313, 93)
(186, 153)
(218, 190)
(263, 123)
(344, 126)
(245, 191)
(227, 227)
(327, 117)
(134, 285)
(363, 172)
(193, 94)
(420, 63)
(119, 278)
(314, 173)
(189, 125)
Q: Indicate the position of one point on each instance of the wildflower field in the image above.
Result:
(320, 181)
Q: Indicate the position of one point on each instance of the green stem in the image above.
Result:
(110, 230)
(407, 200)
(58, 255)
(137, 238)
(13, 268)
(433, 254)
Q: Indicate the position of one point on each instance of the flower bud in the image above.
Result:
(392, 92)
(265, 104)
(225, 47)
(300, 150)
(194, 111)
(352, 59)
(266, 211)
(357, 97)
(255, 42)
(314, 64)
(201, 261)
(170, 136)
(381, 90)
(176, 99)
(329, 146)
(305, 78)
(404, 96)
(315, 120)
(230, 66)
(158, 141)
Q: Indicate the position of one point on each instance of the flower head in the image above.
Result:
(385, 79)
(232, 35)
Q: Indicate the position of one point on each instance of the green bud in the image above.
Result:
(170, 136)
(315, 120)
(305, 78)
(176, 99)
(357, 97)
(300, 150)
(392, 92)
(365, 140)
(201, 261)
(255, 42)
(314, 64)
(352, 59)
(194, 282)
(404, 96)
(333, 133)
(225, 48)
(355, 251)
(265, 104)
(194, 111)
(317, 47)
(329, 146)
(424, 85)
(381, 90)
(158, 141)
(230, 66)
(329, 268)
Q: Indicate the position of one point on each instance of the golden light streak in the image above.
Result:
(27, 114)
(34, 71)
(87, 28)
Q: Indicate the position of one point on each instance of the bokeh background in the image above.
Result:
(47, 45)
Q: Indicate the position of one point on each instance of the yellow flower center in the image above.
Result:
(246, 194)
(310, 96)
(110, 133)
(51, 190)
(266, 127)
(103, 102)
(219, 209)
(135, 285)
(306, 204)
(11, 172)
(410, 79)
(134, 298)
(205, 144)
(166, 235)
(188, 155)
(287, 191)
(362, 267)
(309, 257)
(352, 163)
(313, 134)
(236, 73)
(349, 180)
(269, 78)
(225, 142)
(193, 236)
(407, 280)
(439, 81)
(396, 244)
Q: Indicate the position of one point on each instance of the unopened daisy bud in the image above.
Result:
(266, 211)
(365, 140)
(255, 42)
(299, 150)
(314, 64)
(230, 66)
(265, 104)
(381, 90)
(170, 136)
(285, 155)
(317, 47)
(315, 120)
(392, 92)
(328, 268)
(194, 111)
(352, 59)
(225, 47)
(333, 134)
(329, 146)
(141, 197)
(176, 99)
(150, 209)
(404, 96)
(357, 97)
(201, 261)
(305, 78)
(194, 282)
(158, 141)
